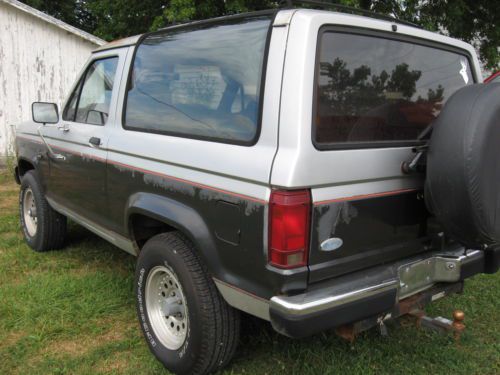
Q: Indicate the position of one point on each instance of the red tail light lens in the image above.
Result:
(289, 213)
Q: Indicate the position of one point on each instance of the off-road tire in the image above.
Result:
(213, 326)
(51, 225)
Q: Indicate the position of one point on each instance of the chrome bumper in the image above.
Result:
(366, 293)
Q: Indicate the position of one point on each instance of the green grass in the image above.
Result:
(72, 312)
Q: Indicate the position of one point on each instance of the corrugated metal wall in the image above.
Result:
(38, 62)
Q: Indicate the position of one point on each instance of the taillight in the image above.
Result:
(289, 213)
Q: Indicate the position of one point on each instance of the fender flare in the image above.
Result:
(179, 216)
(33, 162)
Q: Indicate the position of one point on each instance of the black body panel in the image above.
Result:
(373, 231)
(35, 154)
(79, 183)
(235, 256)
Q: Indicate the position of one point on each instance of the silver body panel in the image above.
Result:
(241, 300)
(333, 174)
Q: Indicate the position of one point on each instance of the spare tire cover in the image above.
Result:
(463, 168)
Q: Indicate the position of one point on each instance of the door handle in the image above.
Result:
(94, 142)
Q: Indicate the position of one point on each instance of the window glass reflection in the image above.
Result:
(201, 82)
(371, 89)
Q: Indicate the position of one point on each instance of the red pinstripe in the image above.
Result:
(365, 196)
(245, 197)
(162, 175)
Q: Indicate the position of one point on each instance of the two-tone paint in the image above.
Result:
(360, 195)
(214, 193)
(217, 194)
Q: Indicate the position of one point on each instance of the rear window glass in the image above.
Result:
(374, 91)
(201, 82)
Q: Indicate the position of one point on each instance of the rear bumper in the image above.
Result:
(371, 292)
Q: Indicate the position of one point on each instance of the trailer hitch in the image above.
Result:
(440, 324)
(412, 307)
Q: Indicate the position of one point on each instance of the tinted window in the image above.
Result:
(90, 101)
(370, 89)
(199, 82)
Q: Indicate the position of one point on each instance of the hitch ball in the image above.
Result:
(458, 316)
(458, 325)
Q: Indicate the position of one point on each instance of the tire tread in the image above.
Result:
(221, 321)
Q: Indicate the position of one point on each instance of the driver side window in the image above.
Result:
(90, 101)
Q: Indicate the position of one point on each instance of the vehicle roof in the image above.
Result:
(284, 15)
(124, 42)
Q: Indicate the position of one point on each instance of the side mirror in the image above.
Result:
(95, 117)
(45, 113)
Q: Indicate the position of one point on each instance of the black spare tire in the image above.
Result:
(463, 169)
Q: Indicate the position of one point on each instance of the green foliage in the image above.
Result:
(74, 12)
(186, 10)
(475, 21)
(121, 18)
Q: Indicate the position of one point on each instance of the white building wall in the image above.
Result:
(38, 62)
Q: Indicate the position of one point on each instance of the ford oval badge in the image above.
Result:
(331, 244)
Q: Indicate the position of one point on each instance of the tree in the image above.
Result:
(74, 12)
(474, 21)
(121, 18)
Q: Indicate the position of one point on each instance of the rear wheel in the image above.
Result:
(43, 228)
(187, 324)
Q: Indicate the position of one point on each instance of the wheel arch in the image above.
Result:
(150, 214)
(23, 165)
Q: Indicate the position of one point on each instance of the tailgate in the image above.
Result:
(356, 232)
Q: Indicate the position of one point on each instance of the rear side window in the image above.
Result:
(372, 91)
(200, 82)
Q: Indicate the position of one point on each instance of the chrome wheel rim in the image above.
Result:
(166, 307)
(30, 212)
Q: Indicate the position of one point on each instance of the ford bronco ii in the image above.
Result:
(312, 168)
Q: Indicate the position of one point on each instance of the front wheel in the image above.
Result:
(43, 228)
(187, 324)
